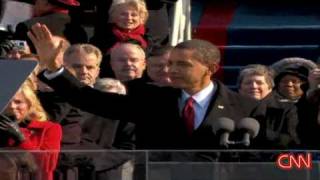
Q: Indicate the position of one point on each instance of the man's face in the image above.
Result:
(127, 17)
(83, 66)
(255, 86)
(186, 72)
(290, 86)
(129, 63)
(157, 68)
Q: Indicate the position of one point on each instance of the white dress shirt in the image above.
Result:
(52, 75)
(202, 101)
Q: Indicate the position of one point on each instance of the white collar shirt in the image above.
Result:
(202, 101)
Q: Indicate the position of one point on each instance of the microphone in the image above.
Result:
(223, 126)
(251, 128)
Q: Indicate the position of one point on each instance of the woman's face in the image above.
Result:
(255, 86)
(18, 107)
(290, 87)
(127, 17)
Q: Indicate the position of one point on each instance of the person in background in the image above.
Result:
(20, 48)
(278, 120)
(309, 111)
(127, 20)
(129, 161)
(157, 65)
(291, 79)
(126, 23)
(83, 60)
(26, 125)
(256, 81)
(14, 49)
(128, 61)
(298, 83)
(110, 85)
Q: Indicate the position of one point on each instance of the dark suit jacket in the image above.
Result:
(58, 23)
(154, 110)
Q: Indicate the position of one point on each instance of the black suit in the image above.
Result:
(154, 110)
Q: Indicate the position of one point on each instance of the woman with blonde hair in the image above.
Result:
(127, 20)
(26, 126)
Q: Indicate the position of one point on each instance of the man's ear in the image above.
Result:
(145, 64)
(215, 67)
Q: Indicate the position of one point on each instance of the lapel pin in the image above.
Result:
(220, 107)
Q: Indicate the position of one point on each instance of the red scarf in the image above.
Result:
(136, 34)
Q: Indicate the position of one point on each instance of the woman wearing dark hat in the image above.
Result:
(291, 80)
(293, 86)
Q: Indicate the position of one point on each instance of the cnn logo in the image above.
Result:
(287, 161)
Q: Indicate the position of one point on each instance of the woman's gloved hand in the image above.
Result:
(11, 127)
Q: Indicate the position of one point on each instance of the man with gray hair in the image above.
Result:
(128, 61)
(83, 61)
(157, 65)
(110, 85)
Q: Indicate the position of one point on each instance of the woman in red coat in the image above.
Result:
(30, 130)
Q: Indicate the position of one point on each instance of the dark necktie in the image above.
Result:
(188, 115)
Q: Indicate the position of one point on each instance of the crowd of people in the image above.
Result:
(120, 91)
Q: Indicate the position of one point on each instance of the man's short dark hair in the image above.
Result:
(203, 51)
(160, 51)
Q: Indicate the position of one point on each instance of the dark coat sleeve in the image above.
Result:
(109, 105)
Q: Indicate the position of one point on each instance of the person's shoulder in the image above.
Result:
(225, 91)
(235, 98)
(53, 127)
(49, 124)
(141, 86)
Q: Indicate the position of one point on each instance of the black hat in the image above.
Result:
(298, 71)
